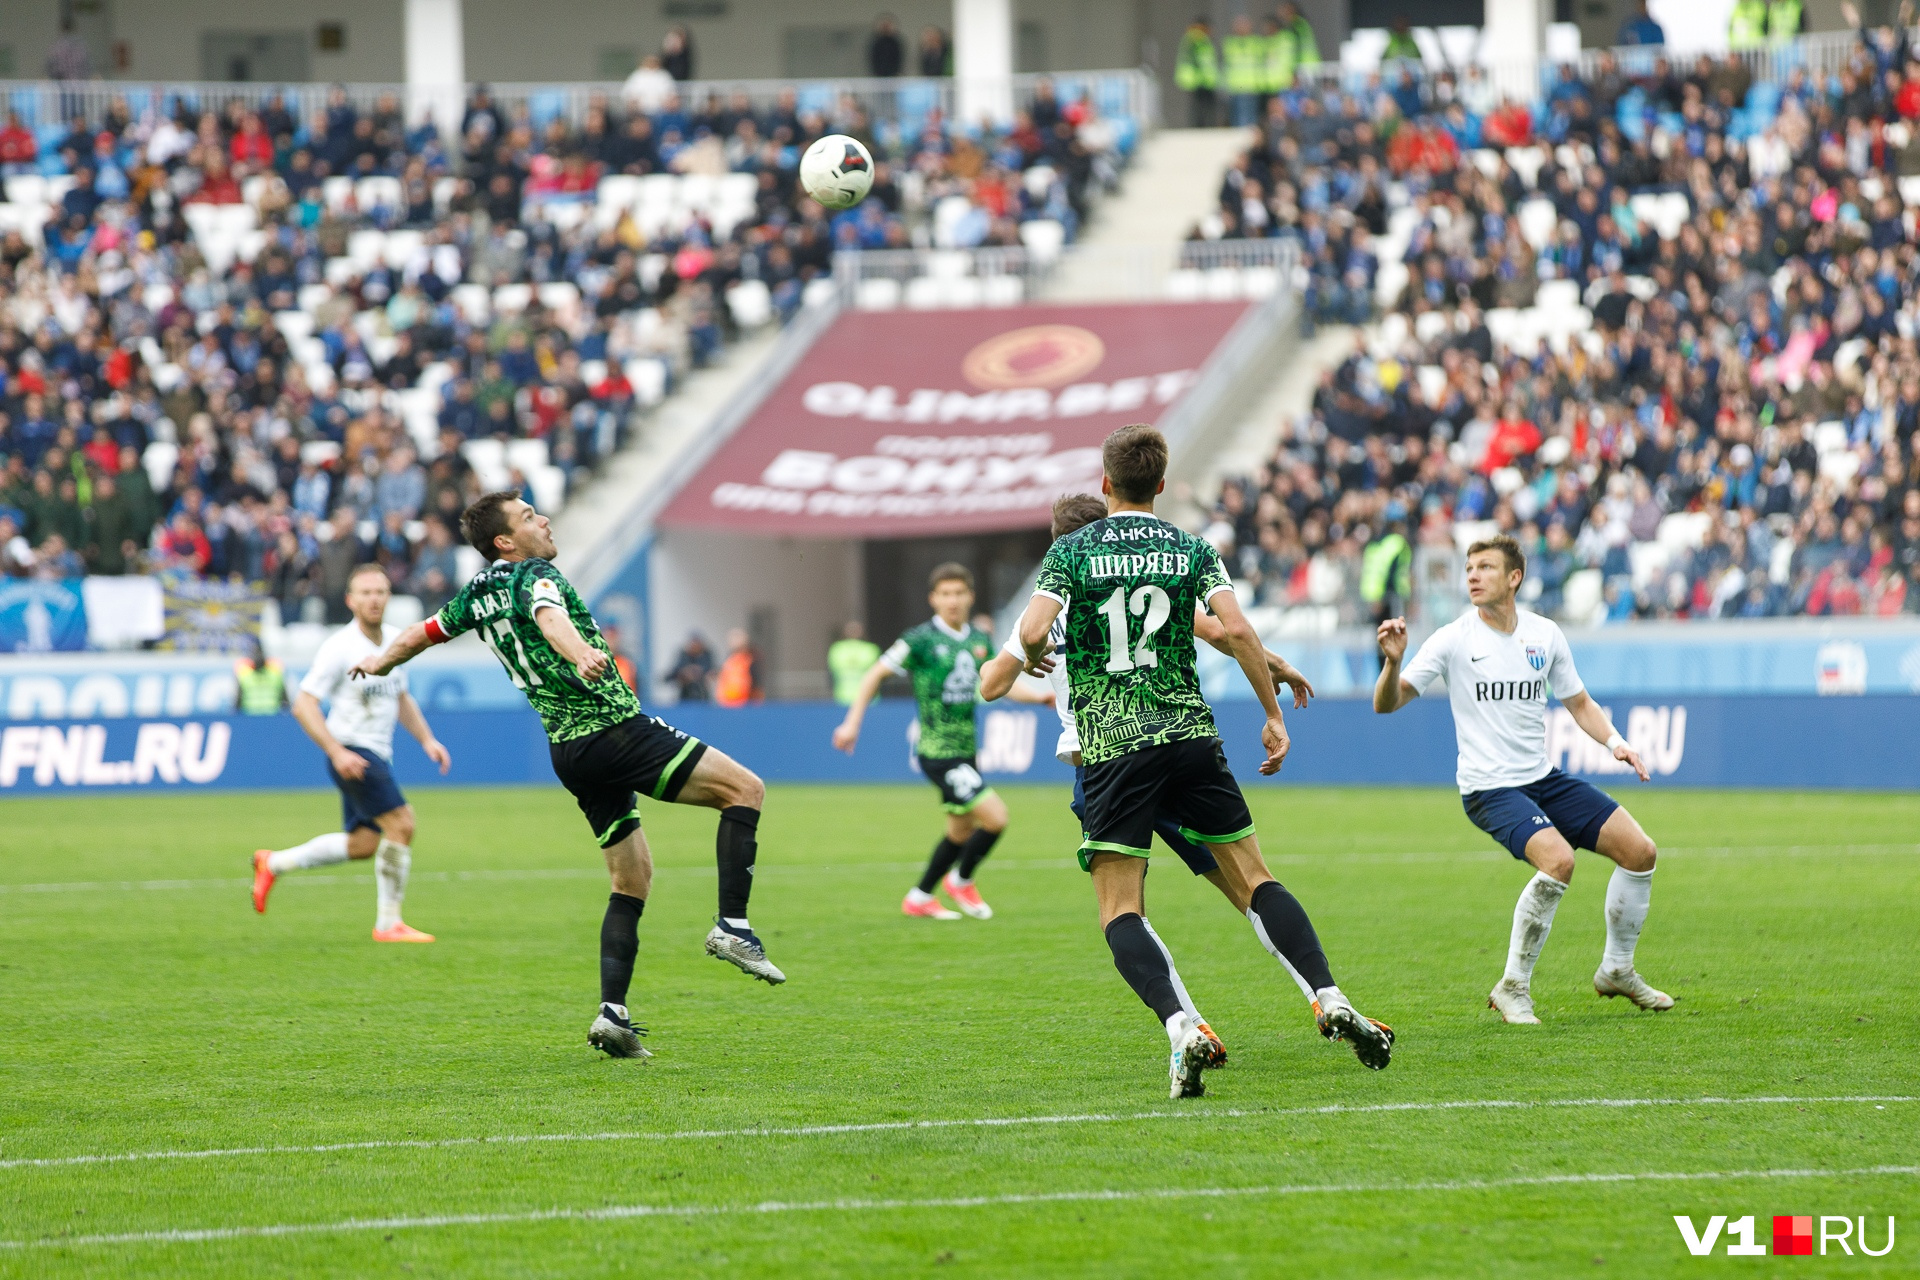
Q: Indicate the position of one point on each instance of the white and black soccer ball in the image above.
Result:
(837, 171)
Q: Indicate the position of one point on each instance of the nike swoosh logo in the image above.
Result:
(1476, 659)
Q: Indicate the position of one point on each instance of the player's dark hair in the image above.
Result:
(368, 567)
(1135, 460)
(1073, 511)
(486, 519)
(950, 572)
(1507, 547)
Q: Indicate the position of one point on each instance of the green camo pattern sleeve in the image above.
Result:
(946, 684)
(1130, 584)
(500, 604)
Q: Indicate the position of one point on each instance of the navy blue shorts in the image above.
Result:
(1512, 815)
(365, 798)
(1198, 857)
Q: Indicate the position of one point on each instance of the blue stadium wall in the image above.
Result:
(1870, 742)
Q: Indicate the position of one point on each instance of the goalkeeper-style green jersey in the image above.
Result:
(944, 665)
(1128, 585)
(499, 603)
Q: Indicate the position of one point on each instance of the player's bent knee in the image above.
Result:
(749, 790)
(1549, 852)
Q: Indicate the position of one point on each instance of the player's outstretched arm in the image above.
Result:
(1029, 694)
(306, 710)
(1593, 721)
(414, 721)
(1035, 624)
(1208, 628)
(846, 735)
(1252, 657)
(1390, 692)
(999, 677)
(409, 644)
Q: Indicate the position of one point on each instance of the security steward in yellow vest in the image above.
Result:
(263, 686)
(1197, 74)
(1245, 55)
(1785, 21)
(1747, 28)
(1386, 574)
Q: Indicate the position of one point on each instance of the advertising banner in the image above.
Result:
(982, 420)
(455, 677)
(42, 616)
(1693, 742)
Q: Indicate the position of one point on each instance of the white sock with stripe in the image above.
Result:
(391, 862)
(320, 851)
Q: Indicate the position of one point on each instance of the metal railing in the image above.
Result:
(1129, 93)
(1192, 270)
(1818, 54)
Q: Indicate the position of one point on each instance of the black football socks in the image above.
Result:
(736, 845)
(945, 854)
(1143, 964)
(975, 851)
(619, 943)
(1283, 926)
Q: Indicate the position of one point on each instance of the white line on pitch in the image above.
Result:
(205, 1234)
(894, 1126)
(1277, 857)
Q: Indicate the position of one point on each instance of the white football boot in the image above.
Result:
(614, 1034)
(1513, 1002)
(1634, 987)
(744, 952)
(1192, 1055)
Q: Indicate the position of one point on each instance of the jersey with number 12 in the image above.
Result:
(500, 604)
(1128, 586)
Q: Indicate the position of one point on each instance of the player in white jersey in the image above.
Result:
(356, 734)
(997, 677)
(1500, 662)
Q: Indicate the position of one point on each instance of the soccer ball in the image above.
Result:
(837, 171)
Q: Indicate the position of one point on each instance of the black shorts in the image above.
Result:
(1188, 782)
(1198, 857)
(605, 768)
(958, 780)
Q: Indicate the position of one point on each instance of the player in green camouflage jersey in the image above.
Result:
(942, 657)
(1125, 590)
(603, 747)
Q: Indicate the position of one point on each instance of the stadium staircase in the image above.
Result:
(1173, 182)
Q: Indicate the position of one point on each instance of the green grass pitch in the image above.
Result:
(144, 1008)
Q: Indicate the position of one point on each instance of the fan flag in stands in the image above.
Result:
(910, 423)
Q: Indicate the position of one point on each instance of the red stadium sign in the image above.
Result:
(900, 424)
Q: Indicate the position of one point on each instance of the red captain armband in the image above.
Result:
(436, 634)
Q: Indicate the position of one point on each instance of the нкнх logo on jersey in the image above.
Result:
(1793, 1236)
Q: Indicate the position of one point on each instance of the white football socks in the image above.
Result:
(391, 862)
(320, 851)
(1177, 1027)
(1173, 973)
(1628, 894)
(1532, 922)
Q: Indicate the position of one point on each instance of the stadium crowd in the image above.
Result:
(1659, 326)
(272, 343)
